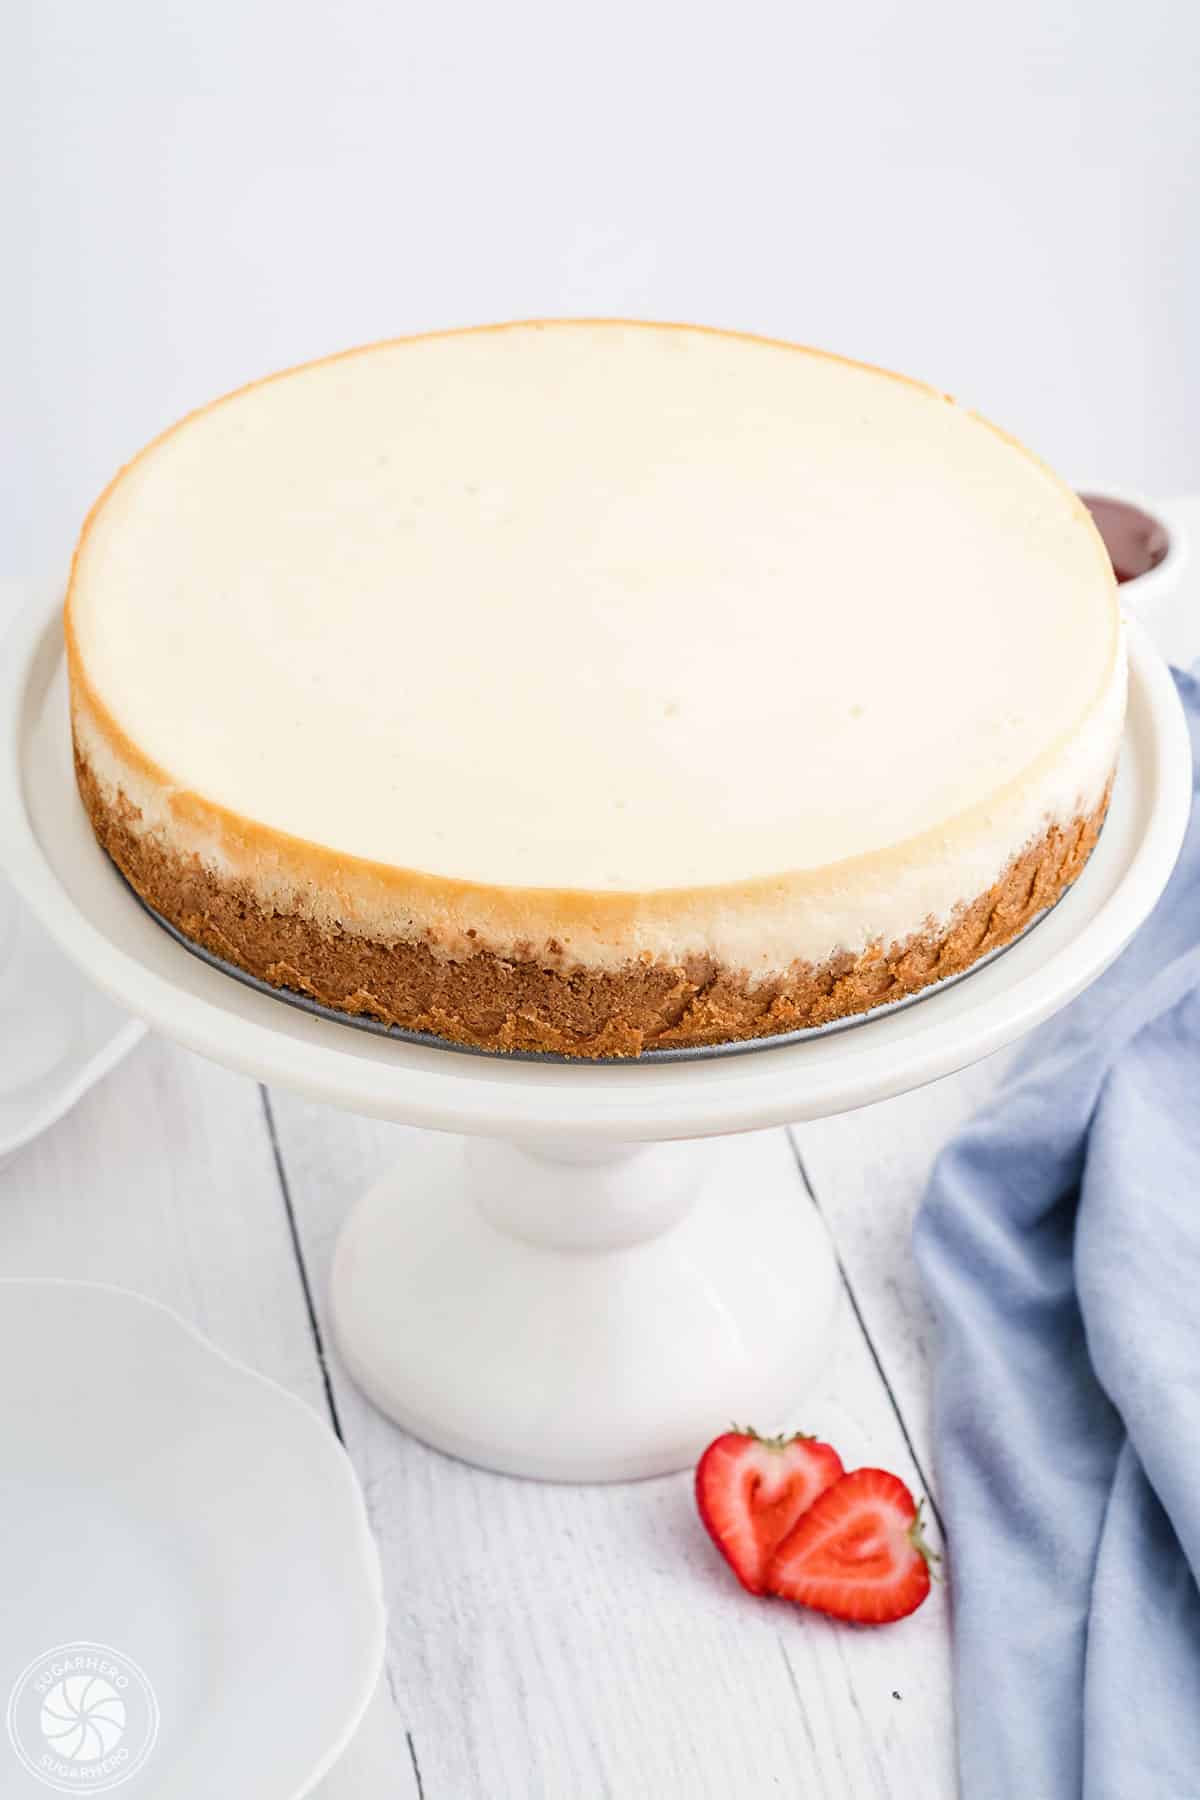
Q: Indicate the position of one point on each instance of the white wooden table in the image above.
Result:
(546, 1643)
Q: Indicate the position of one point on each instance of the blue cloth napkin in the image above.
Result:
(1059, 1245)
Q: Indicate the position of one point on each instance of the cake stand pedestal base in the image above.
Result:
(590, 1314)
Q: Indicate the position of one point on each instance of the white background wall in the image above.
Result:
(1004, 199)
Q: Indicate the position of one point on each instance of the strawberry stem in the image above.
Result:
(780, 1442)
(920, 1544)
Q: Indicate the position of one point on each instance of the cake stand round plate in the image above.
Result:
(584, 1296)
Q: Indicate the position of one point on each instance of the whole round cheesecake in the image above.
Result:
(590, 687)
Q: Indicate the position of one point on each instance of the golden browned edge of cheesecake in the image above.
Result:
(494, 1002)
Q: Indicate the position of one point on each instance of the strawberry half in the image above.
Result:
(857, 1553)
(751, 1490)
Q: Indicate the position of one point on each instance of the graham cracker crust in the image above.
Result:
(495, 1003)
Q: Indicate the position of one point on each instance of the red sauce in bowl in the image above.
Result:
(1135, 542)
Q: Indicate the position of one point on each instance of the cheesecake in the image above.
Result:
(593, 687)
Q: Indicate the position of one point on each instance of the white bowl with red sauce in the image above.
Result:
(1150, 546)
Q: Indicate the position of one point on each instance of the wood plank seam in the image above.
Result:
(868, 1339)
(412, 1751)
(314, 1323)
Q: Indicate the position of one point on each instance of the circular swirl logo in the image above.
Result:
(83, 1718)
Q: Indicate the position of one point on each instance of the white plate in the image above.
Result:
(62, 872)
(201, 1530)
(58, 1034)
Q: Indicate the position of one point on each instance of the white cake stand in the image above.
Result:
(587, 1285)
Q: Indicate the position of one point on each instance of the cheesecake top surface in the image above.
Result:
(593, 605)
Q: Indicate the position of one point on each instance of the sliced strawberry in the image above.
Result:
(857, 1552)
(751, 1490)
